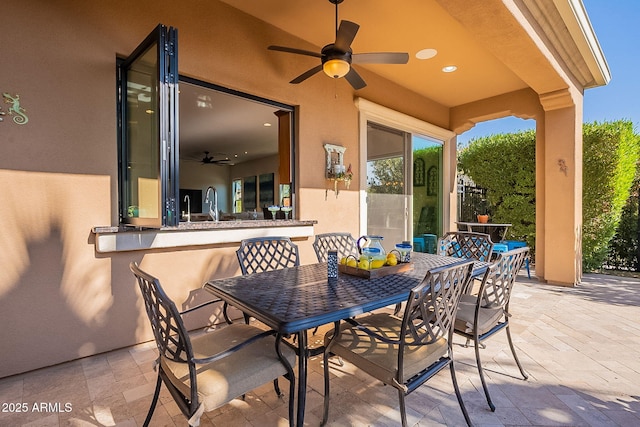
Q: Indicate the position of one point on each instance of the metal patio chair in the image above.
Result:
(466, 244)
(344, 243)
(405, 352)
(266, 254)
(261, 254)
(480, 316)
(206, 371)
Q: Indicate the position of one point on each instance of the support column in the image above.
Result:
(559, 189)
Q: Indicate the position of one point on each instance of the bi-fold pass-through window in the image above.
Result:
(176, 142)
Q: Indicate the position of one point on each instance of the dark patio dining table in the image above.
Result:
(294, 300)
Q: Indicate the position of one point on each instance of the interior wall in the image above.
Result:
(194, 176)
(59, 172)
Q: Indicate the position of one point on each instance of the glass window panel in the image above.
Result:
(142, 127)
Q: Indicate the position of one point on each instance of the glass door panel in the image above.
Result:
(427, 188)
(387, 189)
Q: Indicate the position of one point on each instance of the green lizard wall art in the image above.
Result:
(18, 113)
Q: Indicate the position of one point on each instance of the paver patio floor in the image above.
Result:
(581, 347)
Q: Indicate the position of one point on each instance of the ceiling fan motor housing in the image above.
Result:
(329, 52)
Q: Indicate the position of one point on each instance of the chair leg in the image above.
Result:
(156, 394)
(458, 394)
(224, 313)
(276, 387)
(515, 357)
(403, 408)
(481, 373)
(466, 344)
(398, 308)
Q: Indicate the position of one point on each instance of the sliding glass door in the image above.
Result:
(403, 185)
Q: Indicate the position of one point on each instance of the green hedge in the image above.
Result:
(505, 165)
(623, 248)
(610, 158)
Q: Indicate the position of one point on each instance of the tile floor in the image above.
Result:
(581, 347)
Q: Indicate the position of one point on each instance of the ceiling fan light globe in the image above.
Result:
(336, 68)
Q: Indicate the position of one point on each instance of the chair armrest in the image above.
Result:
(233, 349)
(204, 304)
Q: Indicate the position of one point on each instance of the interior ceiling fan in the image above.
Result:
(211, 160)
(336, 58)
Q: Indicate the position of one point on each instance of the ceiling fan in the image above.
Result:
(336, 58)
(211, 160)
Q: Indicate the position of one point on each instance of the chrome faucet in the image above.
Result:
(213, 203)
(188, 201)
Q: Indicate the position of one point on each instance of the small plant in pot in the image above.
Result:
(482, 215)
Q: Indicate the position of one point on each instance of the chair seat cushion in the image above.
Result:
(244, 370)
(488, 317)
(378, 358)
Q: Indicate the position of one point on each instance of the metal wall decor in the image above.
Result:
(335, 170)
(15, 110)
(418, 172)
(432, 181)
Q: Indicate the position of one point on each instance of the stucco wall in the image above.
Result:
(59, 300)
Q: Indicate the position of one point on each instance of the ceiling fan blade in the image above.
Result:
(380, 58)
(304, 76)
(354, 79)
(345, 35)
(294, 50)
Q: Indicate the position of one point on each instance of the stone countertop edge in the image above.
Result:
(207, 225)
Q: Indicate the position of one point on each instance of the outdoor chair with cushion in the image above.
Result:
(466, 244)
(205, 371)
(405, 352)
(344, 243)
(261, 254)
(480, 316)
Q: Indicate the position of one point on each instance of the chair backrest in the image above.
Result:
(466, 244)
(430, 311)
(266, 254)
(168, 329)
(499, 278)
(344, 243)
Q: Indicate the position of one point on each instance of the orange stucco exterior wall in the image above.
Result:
(59, 299)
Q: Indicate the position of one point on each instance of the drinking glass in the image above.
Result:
(286, 210)
(273, 210)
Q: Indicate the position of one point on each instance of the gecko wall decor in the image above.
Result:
(16, 111)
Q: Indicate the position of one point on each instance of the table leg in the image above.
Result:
(302, 375)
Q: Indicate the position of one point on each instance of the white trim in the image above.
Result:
(401, 121)
(132, 240)
(370, 111)
(577, 21)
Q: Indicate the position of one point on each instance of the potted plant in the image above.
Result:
(482, 215)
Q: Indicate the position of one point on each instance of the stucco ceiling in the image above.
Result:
(498, 46)
(407, 26)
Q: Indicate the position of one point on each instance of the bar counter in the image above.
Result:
(125, 238)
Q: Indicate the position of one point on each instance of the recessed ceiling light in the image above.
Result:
(449, 68)
(267, 125)
(426, 53)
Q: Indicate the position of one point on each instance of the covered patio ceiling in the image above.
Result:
(486, 41)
